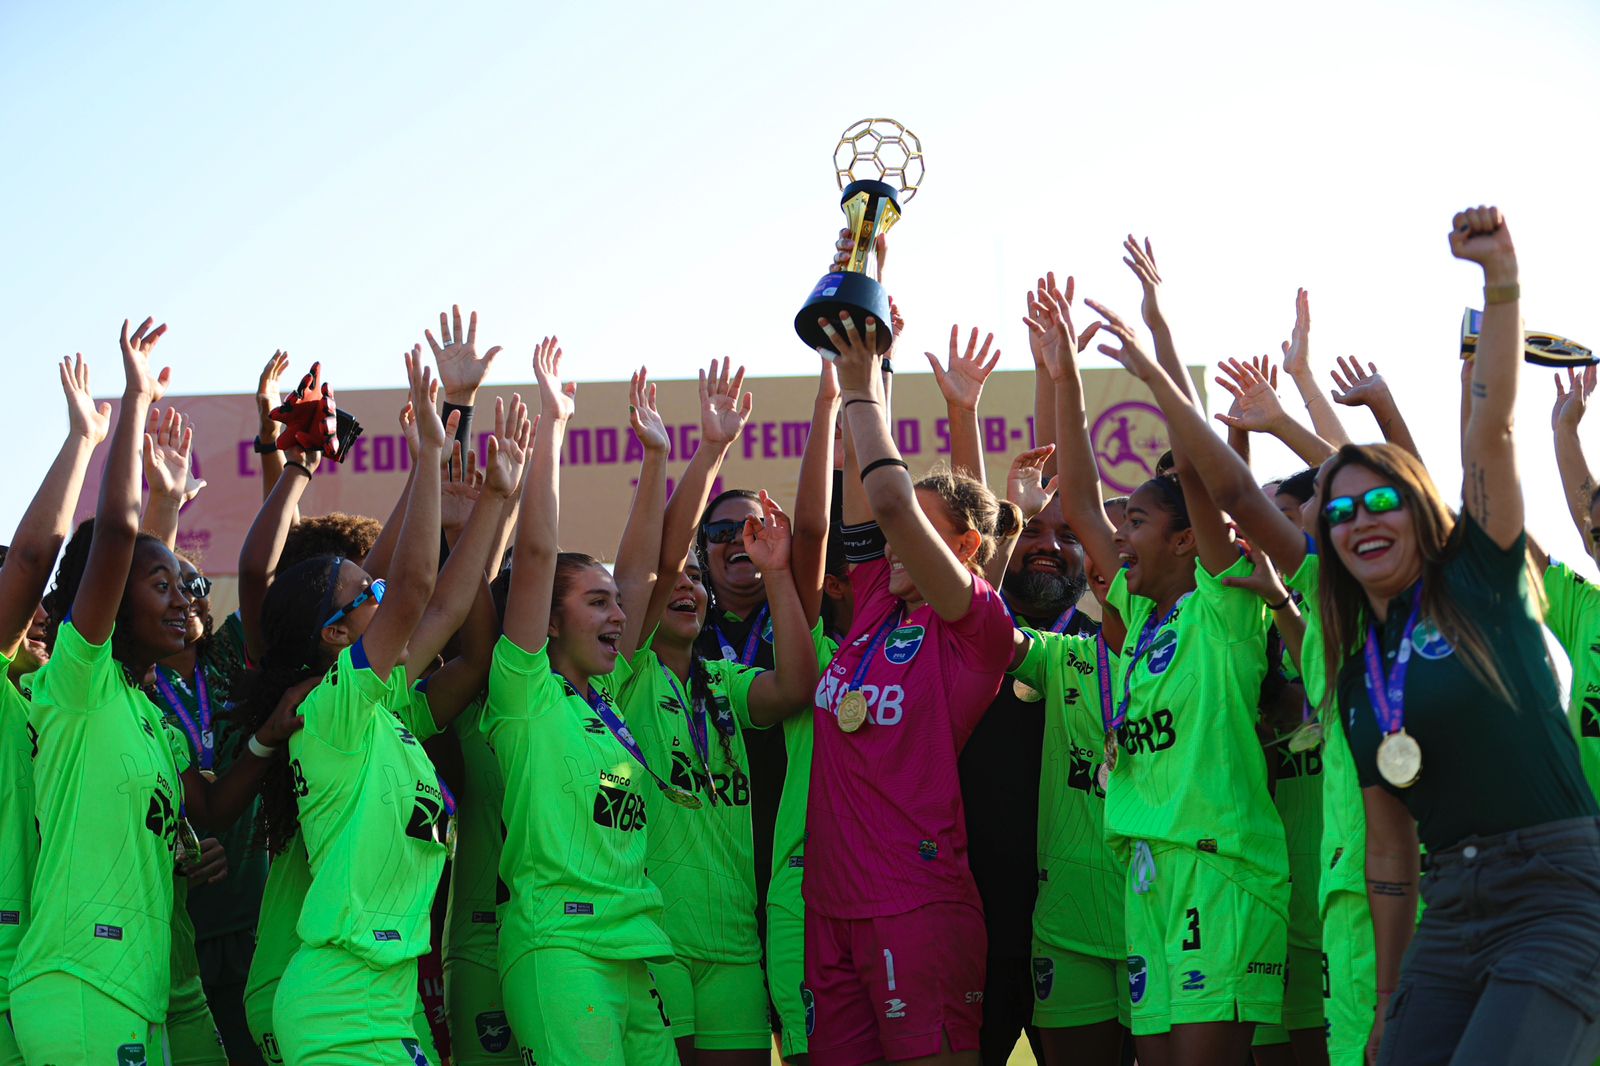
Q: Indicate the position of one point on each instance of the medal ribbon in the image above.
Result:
(198, 732)
(750, 643)
(1146, 638)
(1388, 692)
(1102, 662)
(1065, 620)
(699, 731)
(624, 735)
(890, 623)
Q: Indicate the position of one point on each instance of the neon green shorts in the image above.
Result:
(723, 1005)
(1351, 958)
(59, 1018)
(1207, 940)
(10, 1053)
(1072, 989)
(568, 1007)
(786, 976)
(1303, 998)
(192, 1037)
(480, 1033)
(333, 1008)
(258, 1015)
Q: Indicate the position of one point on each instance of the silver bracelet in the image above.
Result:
(260, 750)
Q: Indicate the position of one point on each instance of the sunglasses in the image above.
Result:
(372, 592)
(1381, 500)
(196, 588)
(724, 530)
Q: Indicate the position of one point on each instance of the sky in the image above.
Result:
(653, 183)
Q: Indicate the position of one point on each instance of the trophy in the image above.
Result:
(1540, 349)
(878, 163)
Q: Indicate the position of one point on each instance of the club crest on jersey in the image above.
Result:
(1044, 977)
(414, 1049)
(1163, 650)
(494, 1032)
(1138, 978)
(810, 1003)
(1429, 642)
(903, 644)
(131, 1055)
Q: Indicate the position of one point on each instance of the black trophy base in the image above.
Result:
(855, 293)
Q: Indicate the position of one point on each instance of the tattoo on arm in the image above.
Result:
(1479, 391)
(1389, 888)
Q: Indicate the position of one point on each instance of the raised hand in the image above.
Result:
(767, 541)
(1142, 261)
(1573, 399)
(268, 394)
(557, 400)
(460, 487)
(425, 402)
(1025, 484)
(1297, 349)
(461, 369)
(140, 381)
(1127, 352)
(856, 357)
(724, 408)
(508, 448)
(845, 246)
(85, 419)
(168, 452)
(962, 380)
(1357, 387)
(1480, 235)
(1256, 407)
(647, 423)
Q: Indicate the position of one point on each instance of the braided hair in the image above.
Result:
(69, 578)
(290, 614)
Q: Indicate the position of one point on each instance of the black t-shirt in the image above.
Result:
(1000, 769)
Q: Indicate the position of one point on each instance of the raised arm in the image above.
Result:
(415, 568)
(461, 368)
(1577, 481)
(1493, 491)
(377, 561)
(1044, 341)
(1297, 364)
(1256, 410)
(263, 545)
(814, 497)
(47, 522)
(1366, 388)
(1025, 487)
(787, 688)
(268, 397)
(940, 577)
(533, 566)
(961, 384)
(168, 457)
(116, 519)
(1141, 259)
(1078, 474)
(639, 565)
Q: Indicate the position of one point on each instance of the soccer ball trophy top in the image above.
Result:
(879, 165)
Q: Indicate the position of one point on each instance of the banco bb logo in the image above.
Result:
(903, 644)
(1138, 978)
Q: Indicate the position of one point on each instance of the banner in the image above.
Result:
(600, 458)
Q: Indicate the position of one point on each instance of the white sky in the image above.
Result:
(653, 183)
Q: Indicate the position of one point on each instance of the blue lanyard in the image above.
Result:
(892, 622)
(1388, 693)
(1102, 662)
(199, 733)
(699, 732)
(750, 643)
(619, 729)
(1146, 639)
(1061, 623)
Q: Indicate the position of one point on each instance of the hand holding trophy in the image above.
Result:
(878, 163)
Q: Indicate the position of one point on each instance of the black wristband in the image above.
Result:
(267, 447)
(859, 399)
(1280, 605)
(885, 461)
(464, 427)
(887, 367)
(303, 468)
(863, 543)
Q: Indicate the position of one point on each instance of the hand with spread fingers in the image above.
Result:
(1357, 387)
(961, 381)
(1141, 259)
(461, 368)
(724, 405)
(1256, 407)
(88, 421)
(1127, 351)
(558, 400)
(767, 540)
(168, 456)
(646, 421)
(509, 447)
(136, 349)
(857, 359)
(1572, 400)
(1025, 483)
(1051, 338)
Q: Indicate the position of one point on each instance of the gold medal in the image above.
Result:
(1109, 763)
(1400, 759)
(853, 711)
(682, 797)
(1026, 693)
(1306, 735)
(188, 847)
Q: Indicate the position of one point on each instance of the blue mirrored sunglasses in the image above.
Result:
(372, 592)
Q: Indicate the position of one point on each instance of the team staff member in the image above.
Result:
(895, 943)
(26, 570)
(1434, 650)
(1187, 801)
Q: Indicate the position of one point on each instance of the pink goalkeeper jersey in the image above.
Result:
(885, 829)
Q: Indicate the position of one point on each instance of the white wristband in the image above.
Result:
(260, 750)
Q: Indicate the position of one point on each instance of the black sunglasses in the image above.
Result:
(723, 530)
(196, 588)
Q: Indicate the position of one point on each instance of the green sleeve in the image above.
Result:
(414, 710)
(338, 711)
(732, 682)
(1238, 615)
(1117, 596)
(80, 677)
(1572, 600)
(825, 645)
(521, 685)
(1033, 670)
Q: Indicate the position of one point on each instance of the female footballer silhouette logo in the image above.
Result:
(1128, 439)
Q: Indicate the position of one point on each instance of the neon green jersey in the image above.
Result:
(288, 881)
(1574, 617)
(369, 800)
(470, 932)
(574, 816)
(703, 861)
(1189, 769)
(789, 831)
(1081, 882)
(19, 837)
(107, 772)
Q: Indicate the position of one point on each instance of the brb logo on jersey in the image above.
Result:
(903, 644)
(1429, 642)
(1138, 978)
